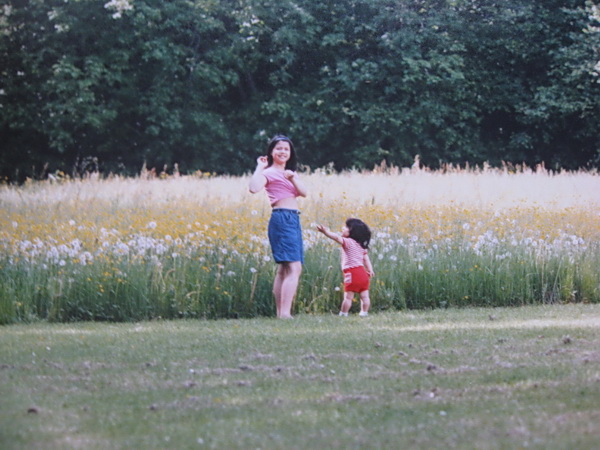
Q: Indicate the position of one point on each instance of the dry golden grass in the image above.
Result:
(473, 189)
(431, 204)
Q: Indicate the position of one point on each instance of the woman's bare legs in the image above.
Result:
(285, 286)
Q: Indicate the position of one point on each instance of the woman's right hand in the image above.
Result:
(258, 179)
(262, 162)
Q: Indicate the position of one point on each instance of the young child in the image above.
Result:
(356, 264)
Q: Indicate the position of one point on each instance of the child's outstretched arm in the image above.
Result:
(368, 266)
(336, 237)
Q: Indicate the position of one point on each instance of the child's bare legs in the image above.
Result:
(347, 302)
(365, 303)
(285, 286)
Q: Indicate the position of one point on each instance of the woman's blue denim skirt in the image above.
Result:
(285, 235)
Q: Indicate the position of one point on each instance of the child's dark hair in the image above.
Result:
(292, 163)
(359, 231)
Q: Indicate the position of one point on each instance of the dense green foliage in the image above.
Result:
(89, 85)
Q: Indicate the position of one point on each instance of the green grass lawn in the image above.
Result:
(472, 378)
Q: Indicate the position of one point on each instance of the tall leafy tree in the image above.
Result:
(204, 83)
(561, 115)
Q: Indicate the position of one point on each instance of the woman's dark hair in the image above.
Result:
(359, 231)
(292, 163)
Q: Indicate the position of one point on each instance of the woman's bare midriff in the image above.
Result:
(287, 203)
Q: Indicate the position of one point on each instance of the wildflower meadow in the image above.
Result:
(128, 249)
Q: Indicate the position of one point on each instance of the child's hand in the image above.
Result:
(327, 232)
(289, 174)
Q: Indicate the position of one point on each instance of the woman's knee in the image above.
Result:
(294, 269)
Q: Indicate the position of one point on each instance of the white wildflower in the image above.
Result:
(121, 248)
(85, 258)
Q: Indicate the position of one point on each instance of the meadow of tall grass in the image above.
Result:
(126, 249)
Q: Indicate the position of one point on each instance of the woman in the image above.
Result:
(276, 172)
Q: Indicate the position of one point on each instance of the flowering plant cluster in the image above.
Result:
(68, 261)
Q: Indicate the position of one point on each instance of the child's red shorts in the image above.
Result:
(356, 279)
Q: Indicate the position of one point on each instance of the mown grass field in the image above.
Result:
(485, 378)
(196, 247)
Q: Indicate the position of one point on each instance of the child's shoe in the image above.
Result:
(363, 314)
(343, 314)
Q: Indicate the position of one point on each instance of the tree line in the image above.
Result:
(92, 85)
